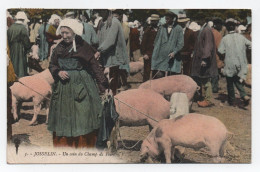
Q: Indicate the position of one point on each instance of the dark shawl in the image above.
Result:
(86, 55)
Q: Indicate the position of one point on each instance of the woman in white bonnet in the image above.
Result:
(75, 109)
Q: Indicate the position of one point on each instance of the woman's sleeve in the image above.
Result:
(97, 70)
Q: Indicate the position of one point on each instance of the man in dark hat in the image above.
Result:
(169, 41)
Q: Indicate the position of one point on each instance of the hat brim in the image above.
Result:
(183, 20)
(155, 19)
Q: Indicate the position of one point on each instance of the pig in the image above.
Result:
(144, 101)
(171, 84)
(191, 131)
(179, 105)
(136, 67)
(35, 88)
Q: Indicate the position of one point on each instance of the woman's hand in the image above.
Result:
(97, 55)
(63, 75)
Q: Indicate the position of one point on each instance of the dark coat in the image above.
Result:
(204, 50)
(148, 41)
(86, 55)
(134, 39)
(189, 41)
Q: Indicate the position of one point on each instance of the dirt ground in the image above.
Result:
(236, 119)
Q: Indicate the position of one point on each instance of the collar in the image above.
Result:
(205, 24)
(231, 32)
(19, 22)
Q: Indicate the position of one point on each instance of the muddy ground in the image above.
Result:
(236, 119)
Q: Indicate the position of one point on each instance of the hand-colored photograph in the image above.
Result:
(129, 86)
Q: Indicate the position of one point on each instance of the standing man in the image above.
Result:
(234, 46)
(112, 46)
(147, 44)
(89, 34)
(166, 59)
(118, 13)
(217, 26)
(19, 44)
(42, 40)
(204, 65)
(189, 41)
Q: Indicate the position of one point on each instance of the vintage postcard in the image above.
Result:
(131, 86)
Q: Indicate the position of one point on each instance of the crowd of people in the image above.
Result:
(203, 50)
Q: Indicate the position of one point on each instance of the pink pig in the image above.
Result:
(32, 88)
(145, 101)
(191, 131)
(171, 84)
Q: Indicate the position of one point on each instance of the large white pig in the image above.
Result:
(171, 84)
(36, 88)
(191, 131)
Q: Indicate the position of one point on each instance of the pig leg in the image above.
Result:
(215, 149)
(14, 107)
(222, 151)
(37, 108)
(179, 152)
(167, 148)
(47, 106)
(172, 153)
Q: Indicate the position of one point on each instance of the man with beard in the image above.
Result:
(147, 45)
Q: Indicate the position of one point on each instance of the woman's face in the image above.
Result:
(67, 34)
